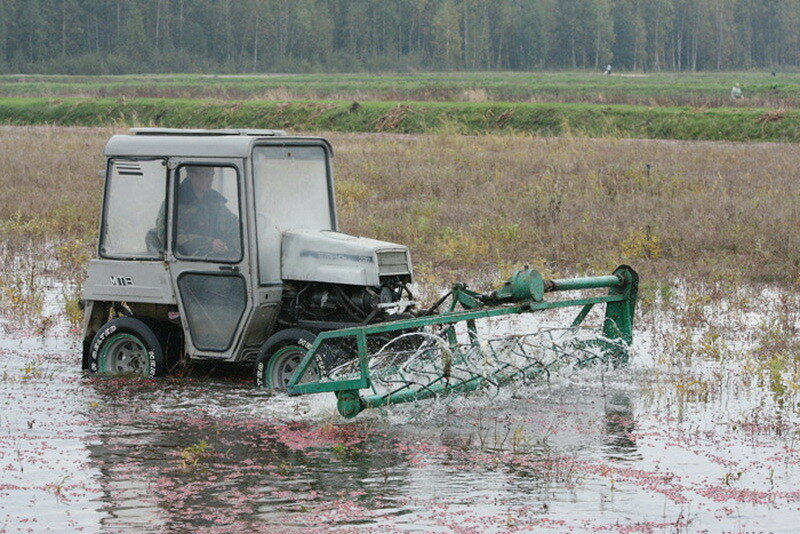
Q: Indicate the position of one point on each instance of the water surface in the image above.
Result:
(667, 445)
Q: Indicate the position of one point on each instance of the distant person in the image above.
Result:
(736, 92)
(607, 72)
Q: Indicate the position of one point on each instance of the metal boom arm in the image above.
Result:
(523, 293)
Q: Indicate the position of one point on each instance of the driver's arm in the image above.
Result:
(193, 244)
(189, 243)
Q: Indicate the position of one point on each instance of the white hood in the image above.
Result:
(333, 257)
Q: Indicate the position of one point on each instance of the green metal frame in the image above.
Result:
(523, 293)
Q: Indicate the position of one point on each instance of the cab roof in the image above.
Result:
(174, 142)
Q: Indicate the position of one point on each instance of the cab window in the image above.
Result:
(135, 192)
(207, 214)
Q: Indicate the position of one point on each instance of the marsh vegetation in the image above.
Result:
(471, 206)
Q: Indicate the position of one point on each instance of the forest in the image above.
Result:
(134, 36)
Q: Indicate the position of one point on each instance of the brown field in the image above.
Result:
(475, 207)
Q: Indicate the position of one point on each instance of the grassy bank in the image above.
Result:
(656, 89)
(728, 124)
(469, 206)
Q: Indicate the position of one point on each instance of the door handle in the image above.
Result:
(231, 268)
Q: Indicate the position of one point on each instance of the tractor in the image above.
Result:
(223, 246)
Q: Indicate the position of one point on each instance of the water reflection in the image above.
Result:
(619, 427)
(163, 468)
(168, 460)
(209, 453)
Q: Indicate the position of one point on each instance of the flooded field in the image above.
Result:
(698, 434)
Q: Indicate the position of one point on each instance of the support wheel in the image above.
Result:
(127, 346)
(280, 356)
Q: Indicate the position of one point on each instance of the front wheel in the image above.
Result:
(127, 346)
(280, 356)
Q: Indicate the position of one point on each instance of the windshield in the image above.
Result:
(291, 192)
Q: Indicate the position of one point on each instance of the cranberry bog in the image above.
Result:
(697, 434)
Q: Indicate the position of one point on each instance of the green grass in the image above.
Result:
(724, 124)
(703, 90)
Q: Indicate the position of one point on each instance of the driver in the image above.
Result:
(205, 226)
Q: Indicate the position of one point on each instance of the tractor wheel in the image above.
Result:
(280, 356)
(127, 346)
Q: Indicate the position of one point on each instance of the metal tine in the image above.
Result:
(512, 357)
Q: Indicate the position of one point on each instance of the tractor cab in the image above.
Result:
(214, 241)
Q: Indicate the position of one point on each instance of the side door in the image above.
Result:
(208, 254)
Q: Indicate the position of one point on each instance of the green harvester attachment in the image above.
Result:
(437, 354)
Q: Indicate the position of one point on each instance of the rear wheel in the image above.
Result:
(127, 346)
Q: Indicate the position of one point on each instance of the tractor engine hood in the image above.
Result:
(332, 257)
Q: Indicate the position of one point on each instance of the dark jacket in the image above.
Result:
(200, 222)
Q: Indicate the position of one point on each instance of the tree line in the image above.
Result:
(129, 36)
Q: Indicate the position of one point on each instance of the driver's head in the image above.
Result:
(201, 178)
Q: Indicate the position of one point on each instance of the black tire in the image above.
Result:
(170, 338)
(127, 346)
(290, 344)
